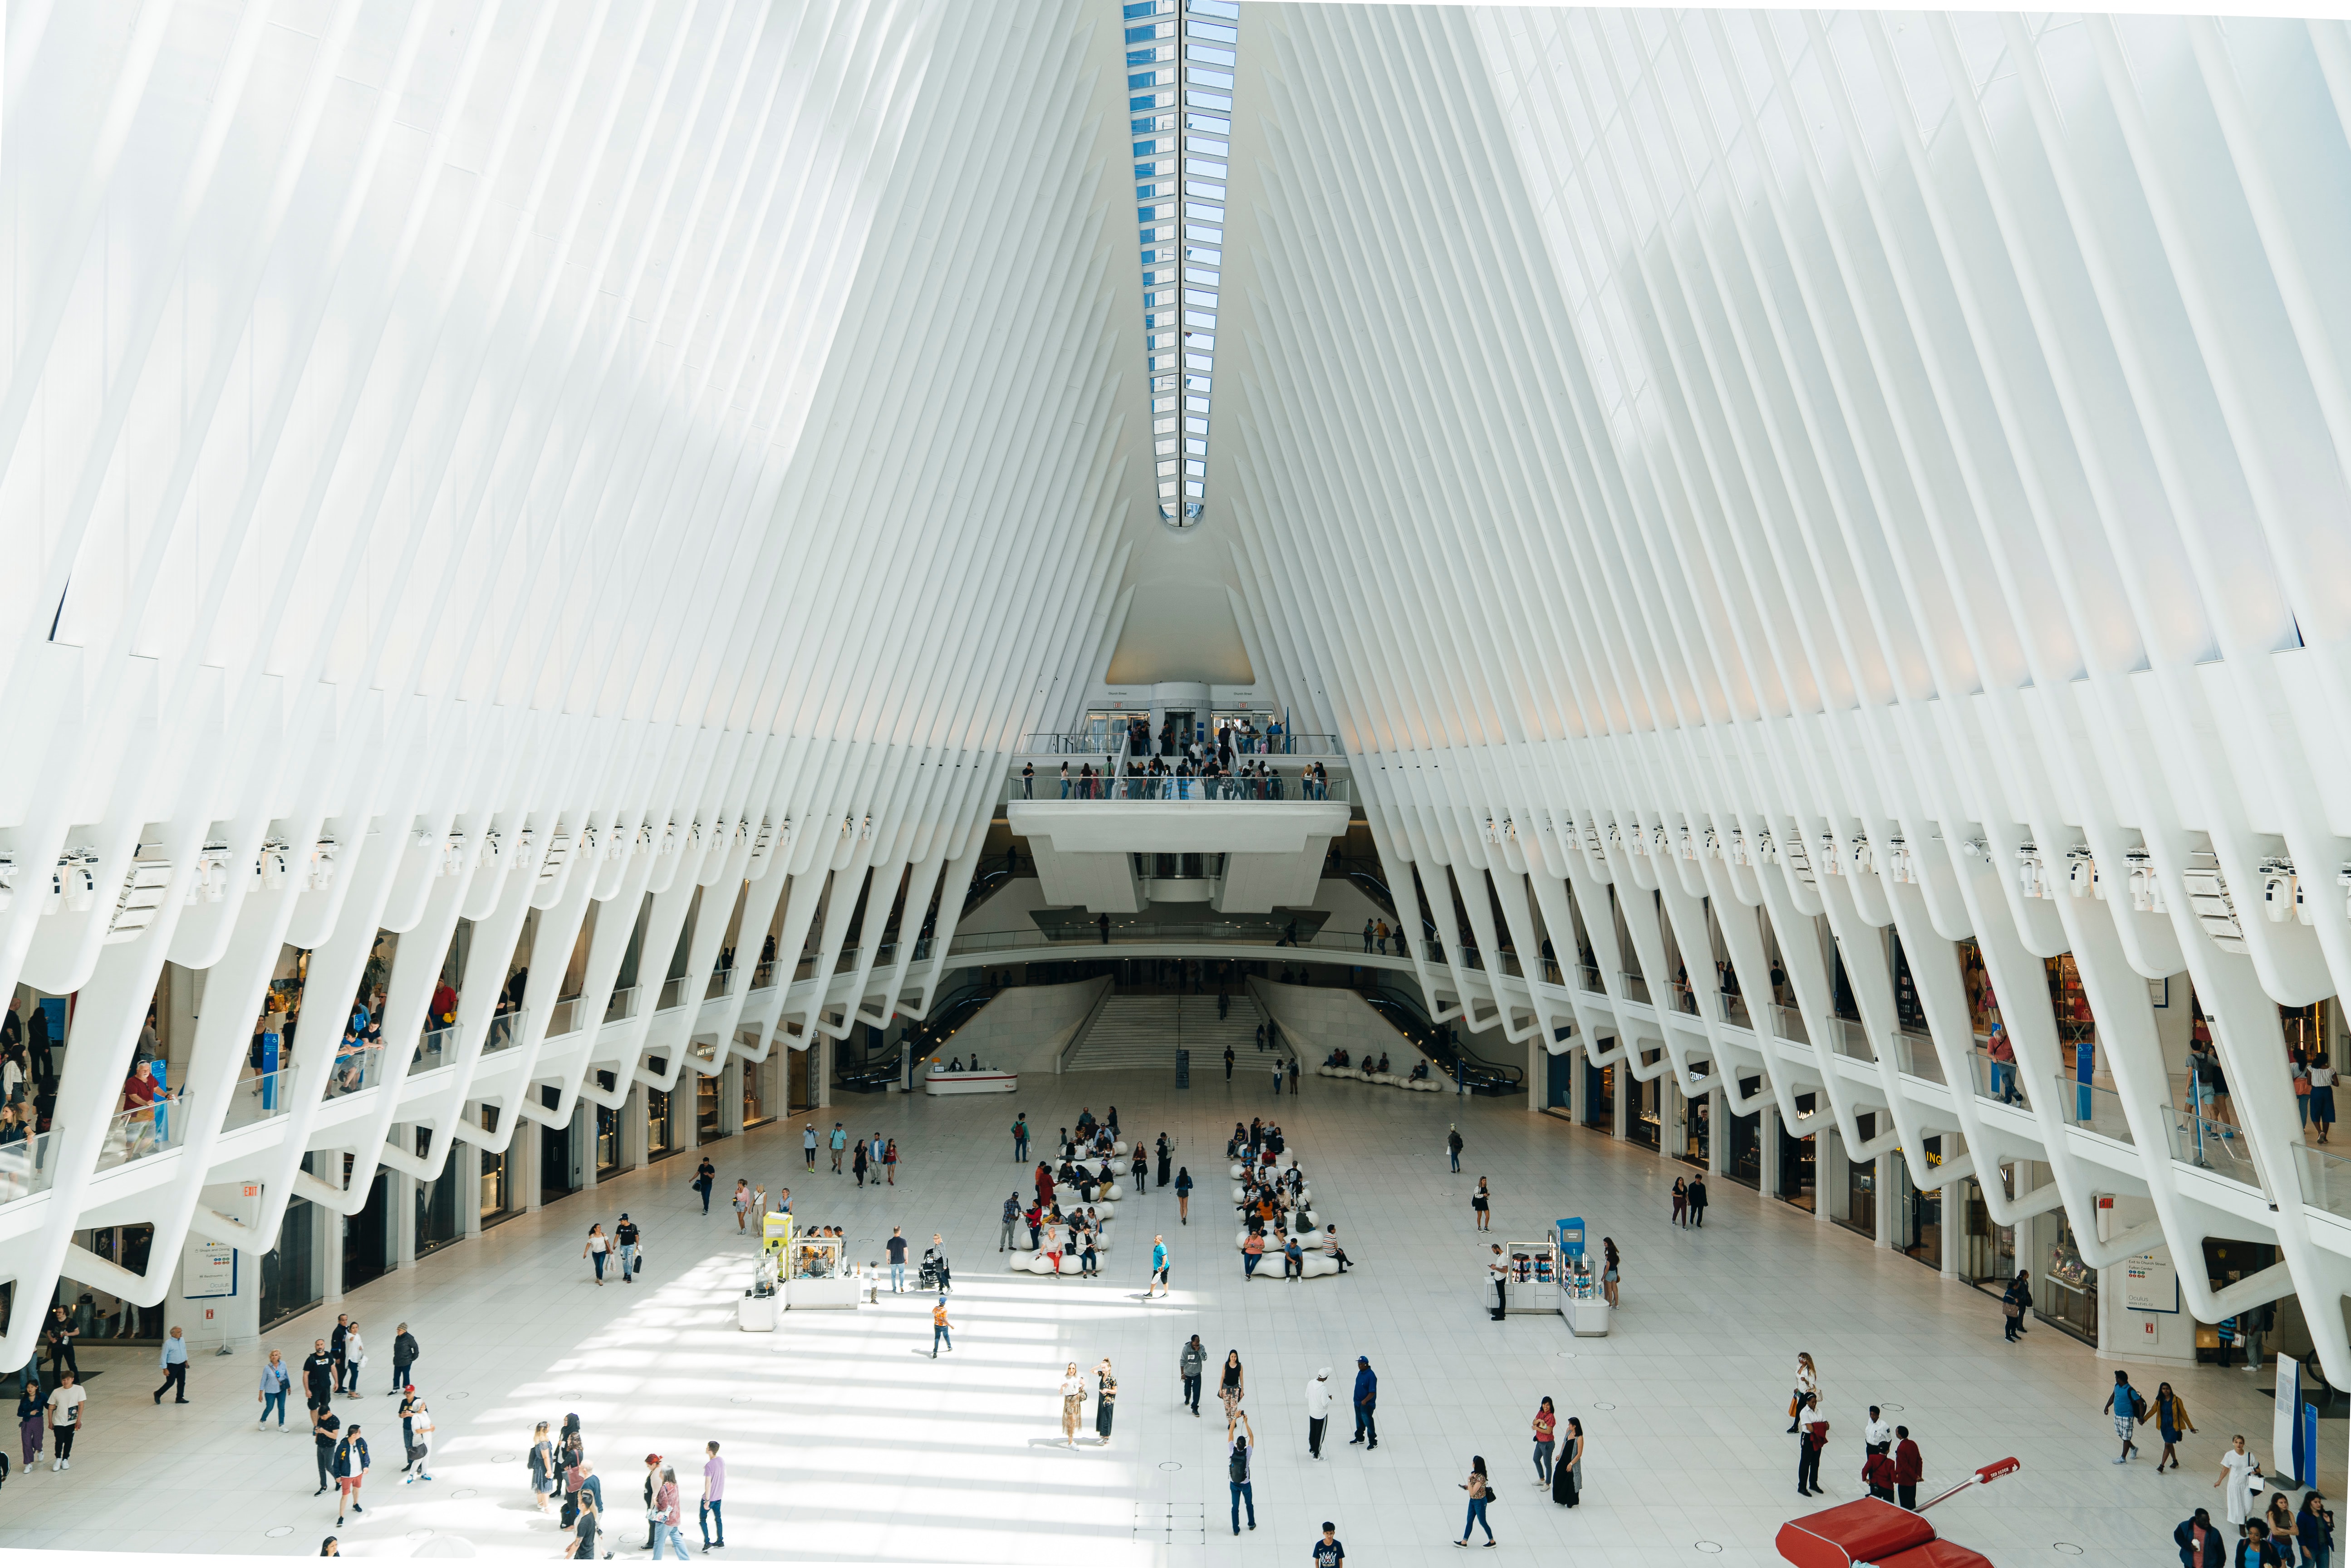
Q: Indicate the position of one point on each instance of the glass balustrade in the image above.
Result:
(1920, 1059)
(623, 1003)
(1733, 1008)
(1632, 987)
(673, 993)
(134, 1134)
(2093, 1106)
(259, 1098)
(1588, 978)
(1788, 1023)
(721, 982)
(26, 1165)
(1169, 786)
(2325, 1179)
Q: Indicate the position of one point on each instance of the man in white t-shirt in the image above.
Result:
(66, 1403)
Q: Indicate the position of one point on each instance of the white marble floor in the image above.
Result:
(847, 1442)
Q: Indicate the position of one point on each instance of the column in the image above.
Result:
(632, 1128)
(1538, 1074)
(1889, 1182)
(401, 1194)
(1955, 1220)
(730, 1098)
(685, 1120)
(211, 1321)
(1830, 1188)
(1577, 1066)
(583, 1139)
(465, 1168)
(820, 1072)
(1767, 1135)
(522, 1160)
(1718, 1133)
(330, 1243)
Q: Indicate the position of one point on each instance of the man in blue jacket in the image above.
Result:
(2200, 1542)
(1367, 1398)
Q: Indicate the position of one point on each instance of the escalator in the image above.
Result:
(1443, 1047)
(879, 1067)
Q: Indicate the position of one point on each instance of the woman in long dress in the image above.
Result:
(1105, 1400)
(1073, 1399)
(2238, 1468)
(1231, 1386)
(1567, 1472)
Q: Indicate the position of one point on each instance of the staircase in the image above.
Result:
(1143, 1032)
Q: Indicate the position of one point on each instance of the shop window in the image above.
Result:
(661, 1138)
(1798, 1176)
(291, 1280)
(1743, 1159)
(2066, 1291)
(1861, 1185)
(1988, 1255)
(1644, 1126)
(705, 1108)
(1599, 1097)
(755, 1094)
(1922, 1215)
(438, 1222)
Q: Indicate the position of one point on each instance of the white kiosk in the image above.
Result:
(1580, 1300)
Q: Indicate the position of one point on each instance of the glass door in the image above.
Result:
(661, 1139)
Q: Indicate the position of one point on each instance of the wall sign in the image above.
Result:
(208, 1268)
(2149, 1285)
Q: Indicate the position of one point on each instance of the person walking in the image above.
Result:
(1681, 1202)
(404, 1355)
(713, 1510)
(1909, 1470)
(2279, 1518)
(1237, 1469)
(1481, 1492)
(1546, 1441)
(840, 1144)
(1229, 1063)
(808, 1144)
(354, 1359)
(2314, 1527)
(2238, 1468)
(857, 1163)
(624, 1238)
(2172, 1420)
(2128, 1408)
(939, 1327)
(174, 1362)
(1020, 1138)
(276, 1377)
(1158, 1269)
(652, 1489)
(1318, 1411)
(1453, 1145)
(351, 1469)
(1190, 1362)
(1567, 1474)
(1232, 1385)
(1184, 1195)
(337, 1343)
(1105, 1402)
(1367, 1402)
(1809, 1449)
(937, 1255)
(1073, 1404)
(666, 1504)
(742, 1201)
(1480, 1205)
(591, 1515)
(1167, 1151)
(1329, 1552)
(318, 1373)
(1697, 1202)
(1807, 1394)
(32, 1427)
(420, 1427)
(2198, 1539)
(896, 1247)
(599, 1247)
(326, 1431)
(69, 1406)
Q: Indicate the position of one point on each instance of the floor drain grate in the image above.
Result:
(1602, 1404)
(461, 1493)
(1711, 1548)
(1172, 1524)
(278, 1531)
(2065, 1549)
(1169, 1465)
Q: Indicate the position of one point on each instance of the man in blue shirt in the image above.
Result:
(175, 1368)
(1158, 1285)
(1367, 1399)
(1327, 1551)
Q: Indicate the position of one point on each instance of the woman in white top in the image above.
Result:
(2322, 1095)
(599, 1244)
(2238, 1468)
(1073, 1400)
(1808, 1391)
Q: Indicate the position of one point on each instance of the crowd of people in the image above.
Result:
(1184, 778)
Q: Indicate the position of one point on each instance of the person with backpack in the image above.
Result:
(1237, 1470)
(2128, 1408)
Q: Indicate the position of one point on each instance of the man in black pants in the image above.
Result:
(317, 1370)
(1228, 1064)
(1808, 1456)
(404, 1356)
(1194, 1357)
(326, 1431)
(705, 1175)
(652, 1482)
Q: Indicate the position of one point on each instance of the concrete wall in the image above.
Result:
(1026, 1027)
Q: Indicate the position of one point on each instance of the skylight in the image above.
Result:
(1179, 78)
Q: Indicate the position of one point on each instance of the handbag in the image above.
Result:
(1795, 1403)
(2012, 1309)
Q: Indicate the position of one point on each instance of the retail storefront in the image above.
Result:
(1743, 1160)
(1798, 1180)
(1697, 1130)
(1642, 1124)
(1599, 1097)
(1918, 1222)
(2064, 1288)
(291, 1280)
(660, 1137)
(1988, 1252)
